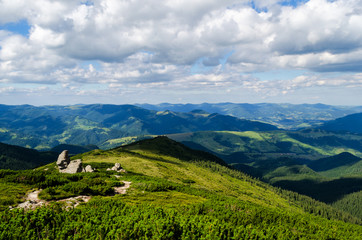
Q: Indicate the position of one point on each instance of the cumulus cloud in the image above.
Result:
(181, 44)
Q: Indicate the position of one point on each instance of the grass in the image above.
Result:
(169, 199)
(250, 134)
(169, 192)
(175, 170)
(11, 194)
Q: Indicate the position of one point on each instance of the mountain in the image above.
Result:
(286, 116)
(328, 163)
(311, 162)
(169, 198)
(246, 146)
(165, 146)
(98, 124)
(351, 123)
(73, 149)
(15, 157)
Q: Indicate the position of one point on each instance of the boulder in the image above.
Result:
(74, 166)
(88, 168)
(117, 167)
(63, 160)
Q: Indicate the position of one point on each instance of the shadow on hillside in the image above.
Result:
(326, 191)
(160, 159)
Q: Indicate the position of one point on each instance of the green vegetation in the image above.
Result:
(54, 185)
(176, 193)
(310, 144)
(15, 157)
(213, 219)
(351, 123)
(302, 161)
(11, 193)
(349, 202)
(45, 127)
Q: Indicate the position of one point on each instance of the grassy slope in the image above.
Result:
(270, 164)
(151, 163)
(155, 159)
(199, 198)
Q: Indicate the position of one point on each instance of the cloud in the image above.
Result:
(319, 26)
(181, 44)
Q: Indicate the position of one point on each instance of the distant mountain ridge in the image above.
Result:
(284, 115)
(351, 123)
(336, 161)
(48, 126)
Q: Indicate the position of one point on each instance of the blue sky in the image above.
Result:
(108, 51)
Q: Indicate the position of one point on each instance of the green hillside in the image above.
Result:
(15, 157)
(176, 193)
(310, 144)
(347, 203)
(351, 123)
(315, 163)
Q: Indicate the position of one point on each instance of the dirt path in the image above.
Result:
(75, 201)
(33, 201)
(123, 189)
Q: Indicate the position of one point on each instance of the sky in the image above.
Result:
(60, 52)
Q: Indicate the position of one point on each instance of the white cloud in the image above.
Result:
(12, 10)
(154, 44)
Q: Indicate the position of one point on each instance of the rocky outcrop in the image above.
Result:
(117, 167)
(74, 166)
(88, 168)
(63, 160)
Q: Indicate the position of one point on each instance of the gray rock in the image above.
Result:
(117, 167)
(74, 166)
(63, 160)
(88, 168)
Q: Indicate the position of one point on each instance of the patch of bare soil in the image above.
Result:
(33, 201)
(123, 189)
(75, 201)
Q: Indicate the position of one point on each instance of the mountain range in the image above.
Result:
(48, 126)
(322, 162)
(351, 123)
(107, 126)
(284, 115)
